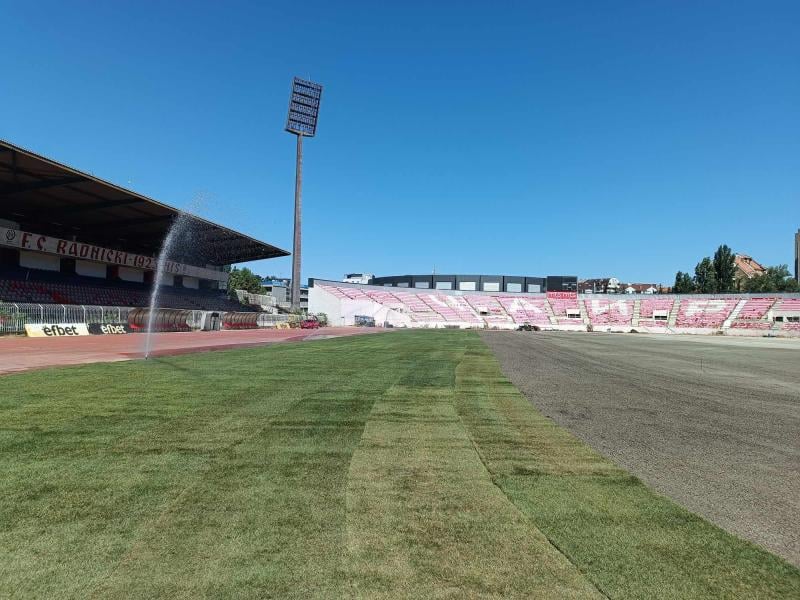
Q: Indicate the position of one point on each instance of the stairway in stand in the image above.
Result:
(584, 313)
(549, 310)
(637, 311)
(726, 324)
(673, 313)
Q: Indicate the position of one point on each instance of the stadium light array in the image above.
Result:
(301, 121)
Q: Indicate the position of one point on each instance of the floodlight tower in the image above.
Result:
(301, 121)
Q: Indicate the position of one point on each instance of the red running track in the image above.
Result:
(22, 353)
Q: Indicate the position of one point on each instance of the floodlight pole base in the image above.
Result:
(298, 201)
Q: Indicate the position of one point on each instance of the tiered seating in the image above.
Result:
(751, 325)
(525, 310)
(55, 288)
(648, 305)
(788, 304)
(704, 313)
(486, 304)
(463, 310)
(354, 293)
(336, 291)
(560, 307)
(506, 310)
(756, 308)
(647, 308)
(609, 312)
(386, 299)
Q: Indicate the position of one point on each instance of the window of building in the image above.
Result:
(444, 285)
(534, 288)
(422, 285)
(468, 286)
(491, 286)
(514, 287)
(402, 284)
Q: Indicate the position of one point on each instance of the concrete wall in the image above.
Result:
(36, 260)
(128, 274)
(90, 269)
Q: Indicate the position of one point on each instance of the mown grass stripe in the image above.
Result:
(631, 542)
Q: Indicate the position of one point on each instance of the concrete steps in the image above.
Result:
(584, 314)
(673, 312)
(726, 324)
(637, 313)
(549, 310)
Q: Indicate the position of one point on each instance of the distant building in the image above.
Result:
(362, 278)
(642, 288)
(281, 291)
(746, 268)
(606, 285)
(612, 285)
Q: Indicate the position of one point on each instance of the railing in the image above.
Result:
(14, 317)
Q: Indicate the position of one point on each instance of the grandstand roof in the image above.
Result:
(47, 197)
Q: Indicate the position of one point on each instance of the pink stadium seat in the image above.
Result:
(704, 313)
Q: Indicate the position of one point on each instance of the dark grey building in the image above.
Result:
(514, 284)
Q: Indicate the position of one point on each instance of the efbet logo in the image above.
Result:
(113, 329)
(57, 330)
(51, 330)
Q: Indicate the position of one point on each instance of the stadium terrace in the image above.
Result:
(68, 238)
(558, 310)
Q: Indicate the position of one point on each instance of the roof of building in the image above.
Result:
(748, 266)
(51, 198)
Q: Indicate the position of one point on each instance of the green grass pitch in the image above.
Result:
(401, 465)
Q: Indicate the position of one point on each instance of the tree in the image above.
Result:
(243, 279)
(705, 277)
(775, 279)
(724, 269)
(683, 283)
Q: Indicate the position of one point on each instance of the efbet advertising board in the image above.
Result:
(60, 330)
(109, 328)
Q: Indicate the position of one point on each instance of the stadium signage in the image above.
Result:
(109, 328)
(56, 330)
(562, 295)
(25, 240)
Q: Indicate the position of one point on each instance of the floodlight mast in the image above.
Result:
(301, 121)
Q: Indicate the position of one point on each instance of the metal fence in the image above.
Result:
(14, 316)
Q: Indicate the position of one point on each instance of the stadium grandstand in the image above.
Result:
(69, 238)
(733, 314)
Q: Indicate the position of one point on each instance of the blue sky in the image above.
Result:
(621, 139)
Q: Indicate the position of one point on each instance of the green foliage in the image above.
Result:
(724, 269)
(683, 283)
(322, 318)
(244, 279)
(776, 279)
(705, 277)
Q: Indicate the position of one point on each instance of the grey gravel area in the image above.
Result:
(712, 423)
